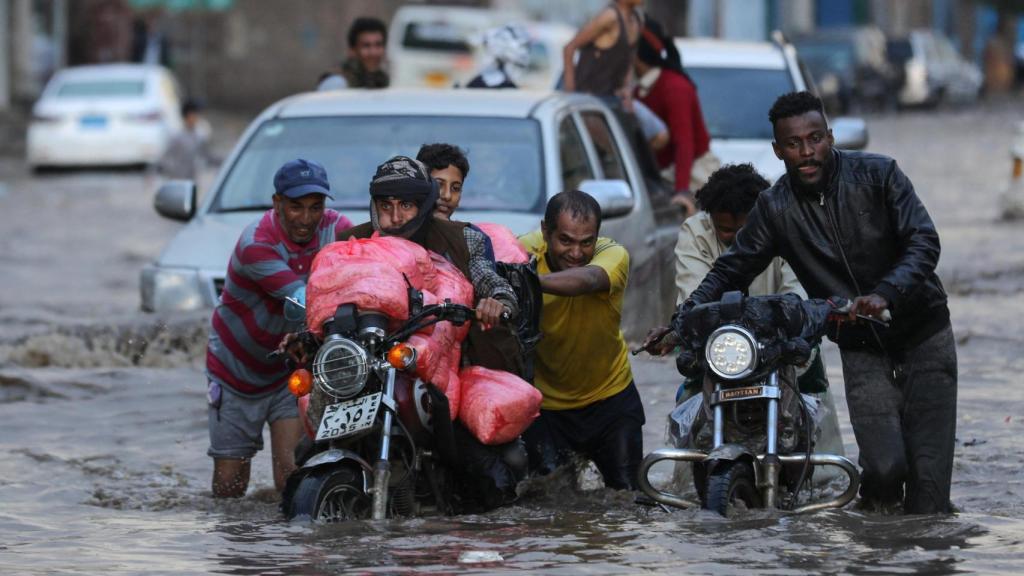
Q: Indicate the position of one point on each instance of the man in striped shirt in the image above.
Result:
(269, 266)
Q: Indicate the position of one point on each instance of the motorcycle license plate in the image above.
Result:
(347, 418)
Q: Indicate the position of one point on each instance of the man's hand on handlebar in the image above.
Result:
(872, 306)
(490, 312)
(659, 341)
(291, 345)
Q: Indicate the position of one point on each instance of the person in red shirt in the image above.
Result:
(666, 89)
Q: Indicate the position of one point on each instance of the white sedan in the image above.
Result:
(103, 115)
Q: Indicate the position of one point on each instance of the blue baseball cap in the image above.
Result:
(299, 178)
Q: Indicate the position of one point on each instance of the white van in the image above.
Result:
(439, 46)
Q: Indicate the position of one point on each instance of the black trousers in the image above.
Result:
(903, 411)
(609, 432)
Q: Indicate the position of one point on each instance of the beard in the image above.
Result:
(812, 188)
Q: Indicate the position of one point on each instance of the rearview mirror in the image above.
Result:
(176, 199)
(615, 197)
(850, 133)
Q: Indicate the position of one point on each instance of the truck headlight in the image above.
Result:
(731, 352)
(171, 289)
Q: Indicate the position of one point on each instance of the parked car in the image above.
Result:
(933, 71)
(851, 67)
(737, 83)
(523, 147)
(108, 114)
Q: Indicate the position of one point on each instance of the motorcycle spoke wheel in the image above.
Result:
(328, 496)
(342, 502)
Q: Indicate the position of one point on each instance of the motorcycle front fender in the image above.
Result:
(335, 456)
(729, 452)
(733, 453)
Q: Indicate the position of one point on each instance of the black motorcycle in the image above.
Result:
(751, 433)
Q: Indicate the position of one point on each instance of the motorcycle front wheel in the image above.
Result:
(331, 495)
(731, 482)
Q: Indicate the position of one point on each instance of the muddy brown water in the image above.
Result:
(103, 423)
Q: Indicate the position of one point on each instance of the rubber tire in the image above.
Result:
(312, 491)
(731, 481)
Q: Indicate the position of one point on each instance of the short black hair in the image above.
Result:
(365, 24)
(732, 188)
(578, 204)
(439, 156)
(795, 104)
(190, 106)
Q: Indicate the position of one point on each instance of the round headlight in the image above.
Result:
(340, 367)
(731, 352)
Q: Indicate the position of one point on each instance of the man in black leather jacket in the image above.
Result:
(850, 225)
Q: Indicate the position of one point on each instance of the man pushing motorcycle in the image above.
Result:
(850, 224)
(266, 278)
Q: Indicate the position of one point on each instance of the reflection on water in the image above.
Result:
(563, 542)
(102, 471)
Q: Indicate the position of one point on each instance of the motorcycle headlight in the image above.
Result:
(341, 368)
(731, 352)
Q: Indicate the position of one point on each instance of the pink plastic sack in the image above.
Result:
(496, 406)
(452, 285)
(437, 360)
(507, 247)
(365, 283)
(371, 273)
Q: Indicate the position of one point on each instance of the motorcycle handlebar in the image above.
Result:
(883, 319)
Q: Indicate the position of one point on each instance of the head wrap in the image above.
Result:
(406, 179)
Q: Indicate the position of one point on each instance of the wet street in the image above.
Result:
(103, 465)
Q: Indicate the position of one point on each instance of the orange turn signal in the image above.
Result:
(401, 356)
(300, 382)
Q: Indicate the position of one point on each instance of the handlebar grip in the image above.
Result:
(885, 316)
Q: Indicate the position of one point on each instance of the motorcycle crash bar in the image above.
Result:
(690, 455)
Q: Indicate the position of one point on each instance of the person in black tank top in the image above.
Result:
(607, 46)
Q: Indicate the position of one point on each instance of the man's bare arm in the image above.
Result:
(576, 281)
(591, 30)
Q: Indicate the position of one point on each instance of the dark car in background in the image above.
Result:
(932, 71)
(850, 67)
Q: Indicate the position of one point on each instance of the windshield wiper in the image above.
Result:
(253, 208)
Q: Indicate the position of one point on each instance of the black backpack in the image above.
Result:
(525, 283)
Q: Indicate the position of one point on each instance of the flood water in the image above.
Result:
(103, 422)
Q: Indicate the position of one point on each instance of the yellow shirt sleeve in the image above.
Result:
(613, 258)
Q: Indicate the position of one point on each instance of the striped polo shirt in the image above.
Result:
(249, 321)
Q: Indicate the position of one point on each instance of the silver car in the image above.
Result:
(523, 148)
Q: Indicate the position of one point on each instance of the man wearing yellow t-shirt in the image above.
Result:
(591, 405)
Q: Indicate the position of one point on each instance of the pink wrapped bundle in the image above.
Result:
(496, 406)
(506, 246)
(307, 424)
(449, 283)
(369, 273)
(365, 283)
(437, 357)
